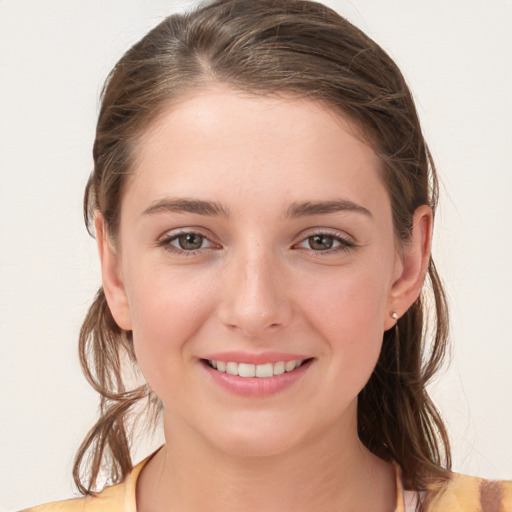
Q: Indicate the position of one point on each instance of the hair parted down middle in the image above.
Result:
(272, 47)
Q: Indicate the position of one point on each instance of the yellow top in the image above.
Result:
(461, 494)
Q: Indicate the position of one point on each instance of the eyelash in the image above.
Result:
(345, 244)
(166, 243)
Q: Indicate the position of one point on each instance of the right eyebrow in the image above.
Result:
(196, 206)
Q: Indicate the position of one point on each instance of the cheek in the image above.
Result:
(348, 314)
(167, 310)
(351, 301)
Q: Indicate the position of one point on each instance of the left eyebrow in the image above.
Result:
(323, 207)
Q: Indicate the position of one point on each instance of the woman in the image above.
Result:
(263, 202)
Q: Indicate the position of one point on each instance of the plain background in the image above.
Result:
(54, 56)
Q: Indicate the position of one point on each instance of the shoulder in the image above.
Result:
(463, 493)
(111, 499)
(117, 498)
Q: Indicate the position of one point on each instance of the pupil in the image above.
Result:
(190, 241)
(321, 242)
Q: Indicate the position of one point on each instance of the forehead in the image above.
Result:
(222, 141)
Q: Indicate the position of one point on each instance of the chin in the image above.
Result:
(254, 439)
(254, 446)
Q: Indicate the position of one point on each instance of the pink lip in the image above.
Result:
(256, 387)
(264, 357)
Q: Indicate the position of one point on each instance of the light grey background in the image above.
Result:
(54, 56)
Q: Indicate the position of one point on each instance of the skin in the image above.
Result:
(259, 283)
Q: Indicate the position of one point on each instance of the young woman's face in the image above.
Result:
(256, 235)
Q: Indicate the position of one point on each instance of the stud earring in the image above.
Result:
(396, 330)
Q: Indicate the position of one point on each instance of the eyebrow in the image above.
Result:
(186, 206)
(323, 207)
(304, 209)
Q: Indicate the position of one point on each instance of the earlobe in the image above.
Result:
(413, 266)
(111, 275)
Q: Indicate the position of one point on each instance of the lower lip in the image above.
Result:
(256, 386)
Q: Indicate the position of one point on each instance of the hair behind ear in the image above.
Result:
(102, 346)
(396, 417)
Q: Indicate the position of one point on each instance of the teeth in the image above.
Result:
(279, 368)
(255, 370)
(232, 368)
(264, 370)
(289, 366)
(246, 370)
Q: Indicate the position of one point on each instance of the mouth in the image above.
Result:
(248, 370)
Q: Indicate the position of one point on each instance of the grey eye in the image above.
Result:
(189, 241)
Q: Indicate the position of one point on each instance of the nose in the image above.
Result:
(255, 298)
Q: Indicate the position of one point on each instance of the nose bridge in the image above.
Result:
(254, 299)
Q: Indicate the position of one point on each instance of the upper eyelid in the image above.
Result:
(335, 233)
(175, 232)
(342, 242)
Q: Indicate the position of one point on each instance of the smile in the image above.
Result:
(255, 370)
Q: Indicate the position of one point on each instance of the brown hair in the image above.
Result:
(273, 47)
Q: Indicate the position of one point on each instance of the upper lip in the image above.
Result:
(251, 358)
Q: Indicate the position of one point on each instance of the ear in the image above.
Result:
(412, 265)
(111, 275)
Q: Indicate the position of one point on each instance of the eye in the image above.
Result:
(321, 242)
(185, 242)
(188, 241)
(325, 242)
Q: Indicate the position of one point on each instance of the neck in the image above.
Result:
(331, 472)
